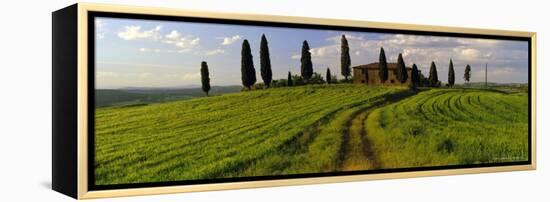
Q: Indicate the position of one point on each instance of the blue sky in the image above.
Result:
(151, 53)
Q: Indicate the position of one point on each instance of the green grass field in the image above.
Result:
(307, 129)
(451, 127)
(229, 135)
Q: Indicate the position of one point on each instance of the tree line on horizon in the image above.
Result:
(308, 76)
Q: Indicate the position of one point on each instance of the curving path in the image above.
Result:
(357, 152)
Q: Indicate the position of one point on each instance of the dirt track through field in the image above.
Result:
(357, 152)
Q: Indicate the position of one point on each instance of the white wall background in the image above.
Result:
(25, 104)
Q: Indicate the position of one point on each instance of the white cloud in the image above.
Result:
(470, 53)
(320, 52)
(230, 40)
(185, 50)
(157, 50)
(349, 37)
(214, 52)
(324, 51)
(183, 43)
(135, 33)
(173, 35)
(479, 42)
(422, 50)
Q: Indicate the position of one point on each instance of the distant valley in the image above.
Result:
(147, 95)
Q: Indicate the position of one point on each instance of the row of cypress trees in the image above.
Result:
(248, 72)
(402, 76)
(401, 70)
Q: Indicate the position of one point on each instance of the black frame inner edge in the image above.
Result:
(91, 98)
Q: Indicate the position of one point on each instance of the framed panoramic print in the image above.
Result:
(152, 101)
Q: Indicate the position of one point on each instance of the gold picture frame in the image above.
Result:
(78, 187)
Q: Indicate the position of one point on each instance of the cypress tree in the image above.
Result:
(265, 62)
(306, 67)
(401, 70)
(467, 73)
(248, 73)
(451, 76)
(205, 77)
(433, 75)
(328, 76)
(345, 60)
(289, 79)
(383, 65)
(415, 77)
(396, 70)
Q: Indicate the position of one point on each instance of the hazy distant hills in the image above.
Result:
(491, 84)
(164, 88)
(146, 95)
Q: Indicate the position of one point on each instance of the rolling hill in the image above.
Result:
(222, 136)
(307, 129)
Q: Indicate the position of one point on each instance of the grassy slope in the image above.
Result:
(260, 132)
(448, 127)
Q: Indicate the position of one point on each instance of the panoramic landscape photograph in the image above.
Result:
(184, 101)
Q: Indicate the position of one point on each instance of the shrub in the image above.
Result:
(297, 80)
(316, 79)
(279, 83)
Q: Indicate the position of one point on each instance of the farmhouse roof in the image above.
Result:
(375, 66)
